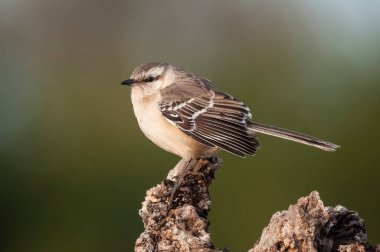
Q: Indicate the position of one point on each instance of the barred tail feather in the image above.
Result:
(293, 136)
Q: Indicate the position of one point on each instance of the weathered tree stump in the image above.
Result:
(310, 226)
(182, 225)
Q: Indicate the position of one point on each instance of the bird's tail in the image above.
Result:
(293, 136)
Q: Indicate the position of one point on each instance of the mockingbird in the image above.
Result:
(187, 115)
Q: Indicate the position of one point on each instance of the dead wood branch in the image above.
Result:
(306, 226)
(310, 226)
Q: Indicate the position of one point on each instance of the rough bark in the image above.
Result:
(310, 226)
(183, 224)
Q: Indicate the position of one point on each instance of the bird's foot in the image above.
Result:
(193, 167)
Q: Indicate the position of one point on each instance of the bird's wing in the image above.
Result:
(210, 117)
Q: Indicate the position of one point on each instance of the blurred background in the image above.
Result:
(74, 166)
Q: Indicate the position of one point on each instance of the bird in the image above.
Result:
(188, 116)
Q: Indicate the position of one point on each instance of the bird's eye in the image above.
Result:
(149, 79)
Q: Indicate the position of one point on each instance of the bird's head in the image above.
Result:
(150, 77)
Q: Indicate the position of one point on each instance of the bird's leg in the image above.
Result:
(191, 166)
(183, 168)
(181, 175)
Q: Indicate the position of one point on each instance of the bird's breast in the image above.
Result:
(161, 132)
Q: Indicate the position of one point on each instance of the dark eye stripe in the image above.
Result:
(149, 79)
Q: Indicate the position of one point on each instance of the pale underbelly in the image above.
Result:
(168, 137)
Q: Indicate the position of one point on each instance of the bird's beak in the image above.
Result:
(128, 82)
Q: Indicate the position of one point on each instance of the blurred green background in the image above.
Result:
(74, 166)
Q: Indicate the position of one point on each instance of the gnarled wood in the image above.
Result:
(183, 225)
